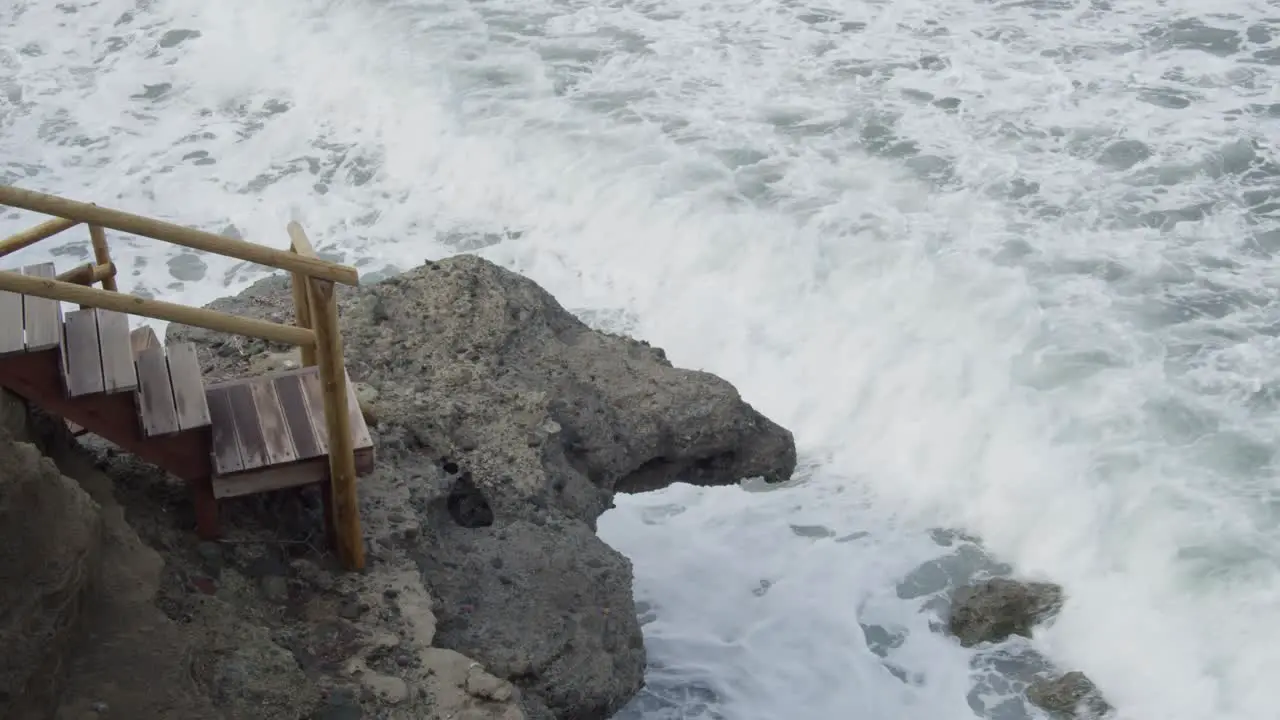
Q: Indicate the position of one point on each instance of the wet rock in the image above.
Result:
(998, 608)
(1067, 696)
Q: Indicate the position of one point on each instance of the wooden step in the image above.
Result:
(95, 353)
(30, 324)
(269, 432)
(171, 394)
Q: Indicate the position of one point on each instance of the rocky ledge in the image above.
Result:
(503, 428)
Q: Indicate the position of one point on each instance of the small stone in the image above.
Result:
(275, 588)
(350, 610)
(386, 641)
(204, 585)
(312, 574)
(99, 707)
(211, 556)
(482, 685)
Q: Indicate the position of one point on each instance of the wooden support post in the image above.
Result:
(31, 236)
(342, 458)
(302, 315)
(98, 237)
(299, 244)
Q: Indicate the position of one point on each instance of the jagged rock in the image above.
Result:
(510, 424)
(1071, 695)
(50, 549)
(995, 609)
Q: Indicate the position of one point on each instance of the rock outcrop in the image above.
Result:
(503, 427)
(50, 547)
(994, 610)
(998, 608)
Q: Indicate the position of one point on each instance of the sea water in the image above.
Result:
(1005, 267)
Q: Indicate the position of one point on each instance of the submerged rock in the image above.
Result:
(504, 426)
(995, 609)
(1071, 695)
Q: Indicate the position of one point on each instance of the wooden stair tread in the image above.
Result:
(41, 316)
(12, 337)
(118, 371)
(81, 354)
(171, 394)
(27, 323)
(269, 432)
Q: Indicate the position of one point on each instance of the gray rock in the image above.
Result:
(250, 668)
(1071, 695)
(51, 541)
(275, 588)
(995, 609)
(511, 425)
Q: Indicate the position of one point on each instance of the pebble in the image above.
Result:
(275, 588)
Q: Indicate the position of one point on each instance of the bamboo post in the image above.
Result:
(98, 237)
(299, 244)
(31, 236)
(342, 458)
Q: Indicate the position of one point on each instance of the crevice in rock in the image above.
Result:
(467, 505)
(659, 472)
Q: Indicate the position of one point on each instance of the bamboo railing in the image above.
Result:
(315, 329)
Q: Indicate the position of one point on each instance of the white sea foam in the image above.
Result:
(1001, 266)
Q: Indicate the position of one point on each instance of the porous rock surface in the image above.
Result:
(503, 427)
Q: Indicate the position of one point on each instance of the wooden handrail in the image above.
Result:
(31, 236)
(158, 309)
(89, 273)
(177, 234)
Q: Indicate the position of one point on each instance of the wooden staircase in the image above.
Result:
(237, 437)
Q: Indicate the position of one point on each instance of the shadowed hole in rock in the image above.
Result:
(660, 471)
(467, 505)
